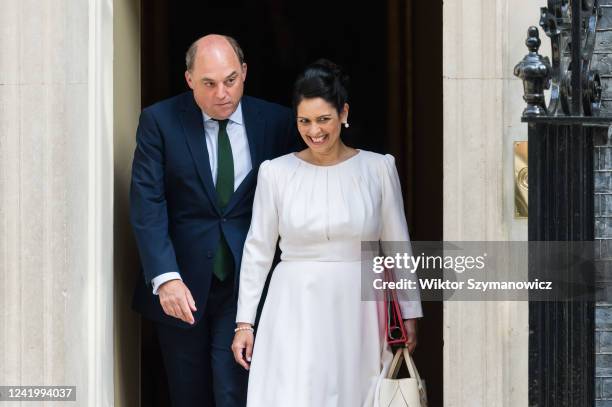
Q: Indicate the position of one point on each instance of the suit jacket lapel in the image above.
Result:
(255, 127)
(193, 126)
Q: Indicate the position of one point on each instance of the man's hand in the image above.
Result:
(176, 300)
(242, 347)
(411, 333)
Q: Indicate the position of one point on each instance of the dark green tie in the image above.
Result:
(222, 262)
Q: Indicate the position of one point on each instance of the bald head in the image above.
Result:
(216, 74)
(212, 44)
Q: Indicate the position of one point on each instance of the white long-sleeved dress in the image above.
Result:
(318, 344)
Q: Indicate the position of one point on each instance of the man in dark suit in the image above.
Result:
(193, 180)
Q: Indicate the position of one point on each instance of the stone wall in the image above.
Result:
(485, 343)
(603, 234)
(56, 197)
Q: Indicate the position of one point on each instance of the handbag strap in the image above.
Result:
(395, 364)
(394, 321)
(402, 354)
(414, 373)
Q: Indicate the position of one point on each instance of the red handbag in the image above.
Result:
(395, 330)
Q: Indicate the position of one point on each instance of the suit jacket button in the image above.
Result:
(224, 220)
(209, 254)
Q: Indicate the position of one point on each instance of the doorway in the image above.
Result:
(393, 55)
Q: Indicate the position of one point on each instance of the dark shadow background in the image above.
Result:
(393, 54)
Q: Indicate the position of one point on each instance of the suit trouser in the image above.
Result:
(199, 361)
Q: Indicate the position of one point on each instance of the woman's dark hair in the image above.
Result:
(322, 79)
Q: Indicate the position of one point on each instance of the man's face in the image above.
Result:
(217, 80)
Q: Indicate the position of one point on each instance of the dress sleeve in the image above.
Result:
(395, 229)
(259, 247)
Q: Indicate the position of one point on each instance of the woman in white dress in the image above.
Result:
(318, 344)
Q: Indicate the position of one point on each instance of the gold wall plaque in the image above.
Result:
(521, 186)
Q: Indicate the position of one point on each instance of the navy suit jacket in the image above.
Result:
(173, 203)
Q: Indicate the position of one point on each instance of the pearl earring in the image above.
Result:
(346, 125)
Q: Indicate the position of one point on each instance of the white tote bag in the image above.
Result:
(409, 392)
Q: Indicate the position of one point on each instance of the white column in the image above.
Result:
(485, 343)
(126, 112)
(56, 197)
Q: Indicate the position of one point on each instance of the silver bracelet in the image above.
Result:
(244, 328)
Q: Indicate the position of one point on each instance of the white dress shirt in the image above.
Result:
(242, 163)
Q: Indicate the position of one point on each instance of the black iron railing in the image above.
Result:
(560, 132)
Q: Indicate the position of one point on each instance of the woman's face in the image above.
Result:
(319, 124)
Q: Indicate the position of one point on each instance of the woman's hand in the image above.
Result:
(243, 345)
(411, 334)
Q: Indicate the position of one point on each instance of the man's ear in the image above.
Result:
(189, 79)
(244, 71)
